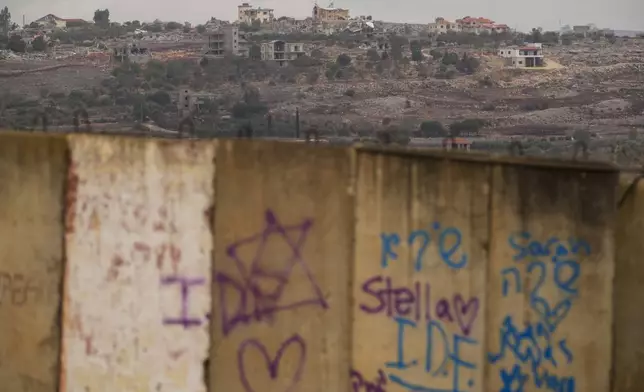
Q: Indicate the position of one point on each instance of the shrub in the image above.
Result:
(16, 44)
(39, 44)
(160, 97)
(535, 105)
(350, 93)
(436, 54)
(468, 126)
(450, 58)
(343, 60)
(432, 129)
(244, 110)
(372, 55)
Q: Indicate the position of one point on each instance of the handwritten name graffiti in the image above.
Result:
(532, 346)
(185, 283)
(447, 241)
(416, 303)
(434, 364)
(295, 342)
(261, 285)
(360, 384)
(555, 263)
(18, 289)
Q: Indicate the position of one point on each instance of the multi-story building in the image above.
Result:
(479, 25)
(246, 13)
(282, 52)
(330, 14)
(225, 41)
(467, 25)
(526, 56)
(442, 26)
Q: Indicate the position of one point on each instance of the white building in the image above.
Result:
(247, 14)
(526, 56)
(282, 52)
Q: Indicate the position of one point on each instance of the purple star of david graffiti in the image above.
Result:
(266, 302)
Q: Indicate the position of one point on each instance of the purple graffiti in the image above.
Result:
(416, 302)
(185, 283)
(255, 273)
(359, 384)
(273, 364)
(464, 316)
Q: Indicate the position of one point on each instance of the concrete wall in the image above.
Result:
(629, 288)
(255, 266)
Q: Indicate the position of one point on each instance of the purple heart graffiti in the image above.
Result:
(464, 316)
(273, 364)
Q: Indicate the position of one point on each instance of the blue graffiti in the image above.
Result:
(566, 275)
(533, 347)
(448, 243)
(436, 334)
(514, 381)
(553, 248)
(566, 272)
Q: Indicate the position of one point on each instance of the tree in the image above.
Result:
(5, 20)
(172, 26)
(416, 51)
(536, 35)
(201, 29)
(343, 60)
(102, 17)
(396, 46)
(16, 44)
(432, 129)
(468, 64)
(39, 44)
(372, 55)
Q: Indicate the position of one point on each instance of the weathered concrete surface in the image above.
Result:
(550, 278)
(283, 255)
(628, 360)
(32, 170)
(137, 234)
(420, 273)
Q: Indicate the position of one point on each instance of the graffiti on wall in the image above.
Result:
(537, 353)
(259, 284)
(19, 290)
(442, 323)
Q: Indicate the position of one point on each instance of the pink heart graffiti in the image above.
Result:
(464, 316)
(273, 364)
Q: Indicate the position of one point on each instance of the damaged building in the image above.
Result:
(282, 52)
(329, 14)
(133, 52)
(226, 41)
(247, 14)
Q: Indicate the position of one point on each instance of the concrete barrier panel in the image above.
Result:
(32, 170)
(628, 361)
(139, 248)
(420, 273)
(283, 254)
(550, 278)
